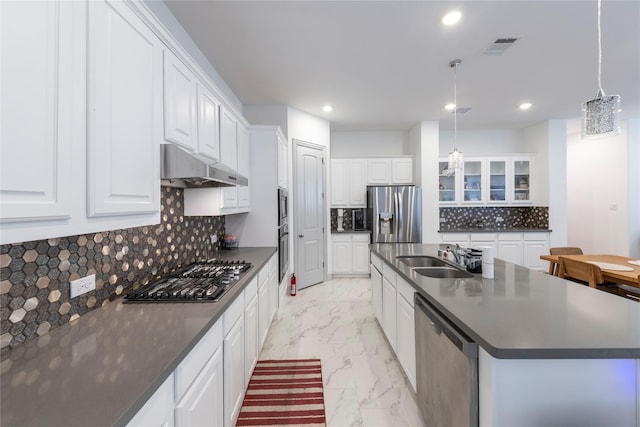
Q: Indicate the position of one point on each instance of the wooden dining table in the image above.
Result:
(621, 275)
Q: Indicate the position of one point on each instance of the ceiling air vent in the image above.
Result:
(462, 110)
(499, 46)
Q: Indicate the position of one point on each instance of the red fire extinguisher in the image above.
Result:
(293, 285)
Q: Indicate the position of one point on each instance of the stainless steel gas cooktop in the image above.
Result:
(199, 282)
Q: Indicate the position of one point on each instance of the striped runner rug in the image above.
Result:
(284, 393)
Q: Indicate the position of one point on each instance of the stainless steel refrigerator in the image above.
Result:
(395, 213)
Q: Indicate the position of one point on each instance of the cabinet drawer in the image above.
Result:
(405, 289)
(510, 236)
(483, 237)
(191, 365)
(346, 238)
(389, 274)
(537, 237)
(360, 237)
(233, 313)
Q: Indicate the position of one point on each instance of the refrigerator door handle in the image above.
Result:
(396, 210)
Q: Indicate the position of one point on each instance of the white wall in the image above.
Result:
(429, 153)
(370, 144)
(483, 142)
(598, 193)
(633, 197)
(276, 115)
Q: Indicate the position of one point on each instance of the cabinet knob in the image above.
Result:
(301, 235)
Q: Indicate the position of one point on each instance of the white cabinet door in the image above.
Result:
(522, 180)
(125, 87)
(402, 171)
(158, 411)
(357, 184)
(341, 254)
(228, 154)
(406, 339)
(273, 294)
(378, 171)
(389, 312)
(208, 124)
(376, 293)
(180, 101)
(535, 244)
(37, 84)
(283, 164)
(360, 253)
(202, 404)
(263, 312)
(250, 337)
(339, 183)
(510, 250)
(233, 372)
(244, 166)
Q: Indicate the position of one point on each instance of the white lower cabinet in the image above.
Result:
(392, 300)
(406, 330)
(376, 292)
(251, 344)
(264, 302)
(350, 254)
(519, 248)
(202, 403)
(158, 410)
(389, 321)
(233, 346)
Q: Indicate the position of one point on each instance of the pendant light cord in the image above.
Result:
(599, 53)
(455, 107)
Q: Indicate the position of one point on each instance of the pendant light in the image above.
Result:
(455, 157)
(601, 115)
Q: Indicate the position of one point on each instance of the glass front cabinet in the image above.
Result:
(488, 181)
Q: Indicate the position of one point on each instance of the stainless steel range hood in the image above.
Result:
(179, 168)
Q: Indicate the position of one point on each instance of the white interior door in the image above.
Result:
(309, 214)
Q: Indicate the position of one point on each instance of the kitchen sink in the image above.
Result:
(421, 261)
(442, 272)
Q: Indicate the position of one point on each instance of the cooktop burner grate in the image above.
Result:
(198, 282)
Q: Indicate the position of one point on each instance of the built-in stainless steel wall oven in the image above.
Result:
(283, 234)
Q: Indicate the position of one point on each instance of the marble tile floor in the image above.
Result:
(363, 382)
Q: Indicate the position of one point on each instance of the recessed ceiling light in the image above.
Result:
(452, 17)
(327, 108)
(450, 107)
(525, 105)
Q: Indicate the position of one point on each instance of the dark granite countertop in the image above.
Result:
(101, 368)
(497, 230)
(527, 314)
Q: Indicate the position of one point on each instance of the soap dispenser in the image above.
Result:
(340, 218)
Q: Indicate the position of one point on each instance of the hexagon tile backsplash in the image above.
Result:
(35, 276)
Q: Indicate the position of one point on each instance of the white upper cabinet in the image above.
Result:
(36, 82)
(180, 94)
(228, 139)
(125, 119)
(348, 183)
(378, 171)
(402, 171)
(208, 123)
(489, 181)
(244, 165)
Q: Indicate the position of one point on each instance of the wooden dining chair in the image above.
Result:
(568, 250)
(583, 272)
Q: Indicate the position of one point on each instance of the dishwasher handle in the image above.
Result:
(440, 325)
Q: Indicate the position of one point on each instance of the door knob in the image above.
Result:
(301, 235)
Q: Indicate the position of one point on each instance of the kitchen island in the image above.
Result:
(100, 369)
(552, 352)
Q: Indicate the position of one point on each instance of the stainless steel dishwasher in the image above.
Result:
(446, 370)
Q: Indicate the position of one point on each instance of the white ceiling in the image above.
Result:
(383, 65)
